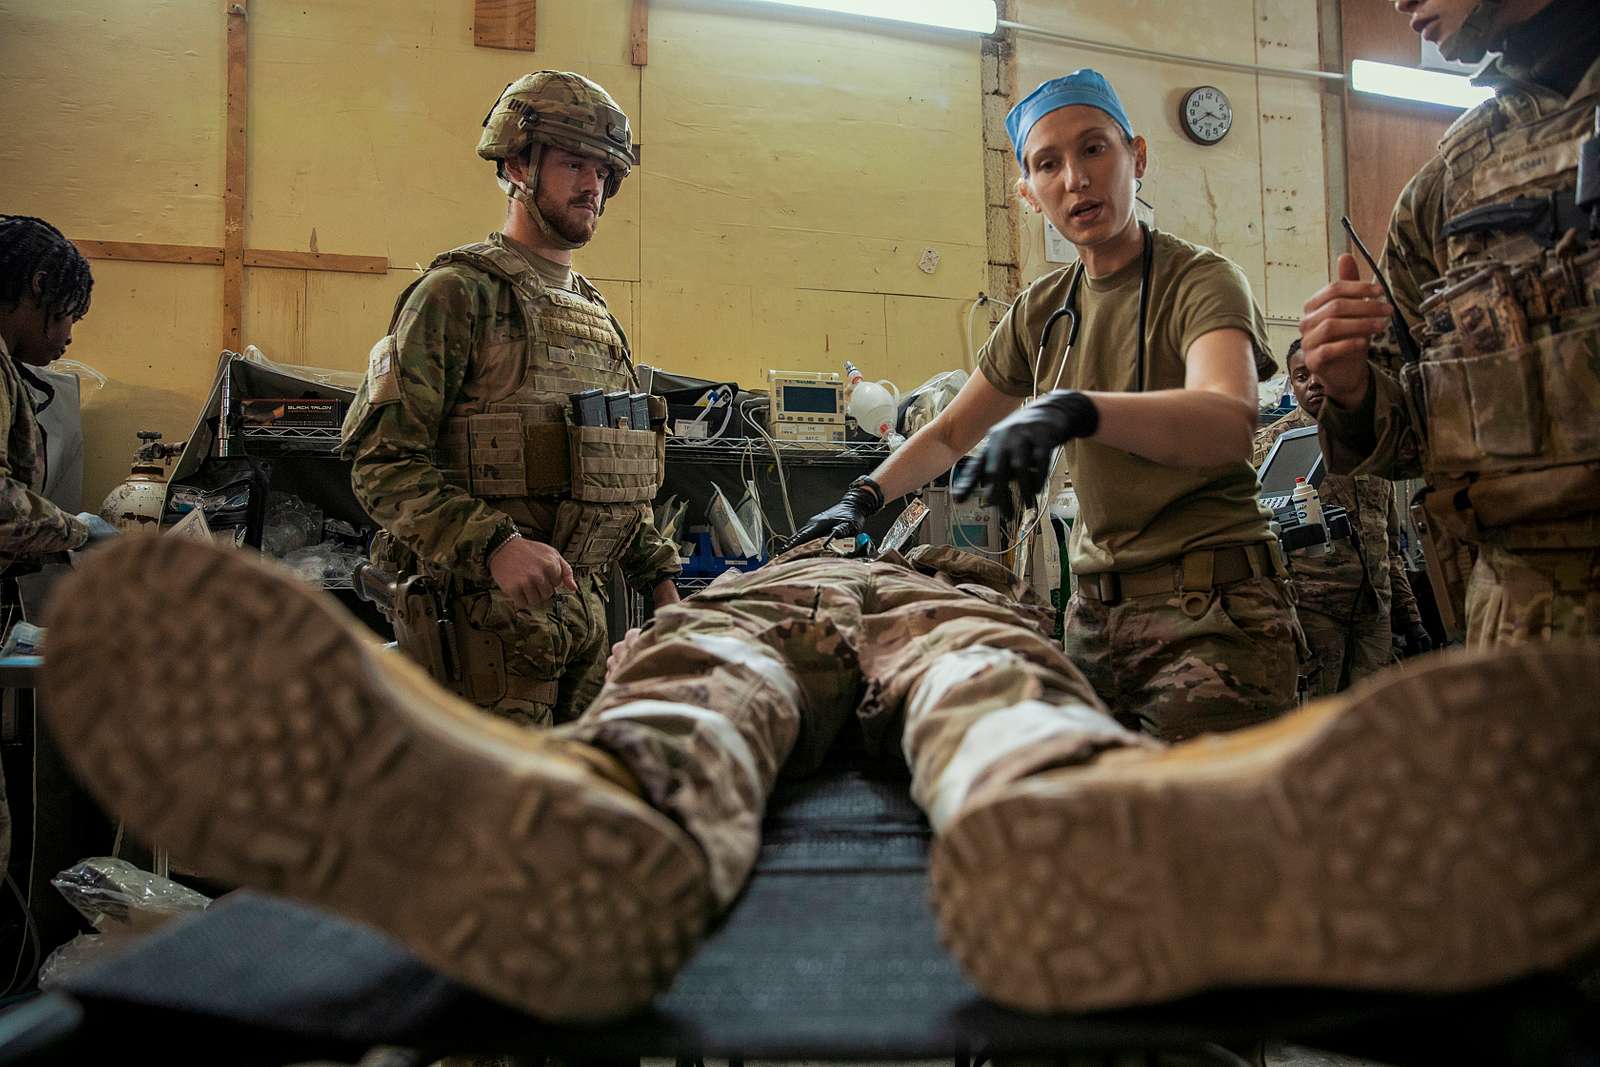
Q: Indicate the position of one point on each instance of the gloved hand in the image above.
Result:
(99, 529)
(1416, 640)
(1019, 447)
(847, 518)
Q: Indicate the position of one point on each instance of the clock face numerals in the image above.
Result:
(1207, 116)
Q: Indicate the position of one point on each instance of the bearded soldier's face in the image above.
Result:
(570, 190)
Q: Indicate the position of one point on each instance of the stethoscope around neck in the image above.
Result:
(1068, 310)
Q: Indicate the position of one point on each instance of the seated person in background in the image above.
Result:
(1355, 599)
(1367, 840)
(44, 289)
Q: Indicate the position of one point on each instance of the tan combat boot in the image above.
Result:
(1435, 828)
(243, 721)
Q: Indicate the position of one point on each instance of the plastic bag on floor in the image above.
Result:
(79, 954)
(121, 902)
(115, 896)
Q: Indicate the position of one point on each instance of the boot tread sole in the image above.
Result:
(233, 717)
(1363, 852)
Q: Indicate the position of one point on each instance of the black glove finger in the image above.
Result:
(1038, 468)
(1013, 459)
(807, 532)
(1001, 499)
(1029, 481)
(965, 482)
(992, 464)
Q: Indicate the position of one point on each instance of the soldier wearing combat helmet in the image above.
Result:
(501, 513)
(1485, 381)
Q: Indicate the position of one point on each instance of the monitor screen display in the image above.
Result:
(811, 399)
(1294, 457)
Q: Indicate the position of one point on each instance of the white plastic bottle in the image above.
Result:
(1308, 509)
(871, 404)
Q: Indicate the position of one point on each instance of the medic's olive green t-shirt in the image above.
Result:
(1133, 512)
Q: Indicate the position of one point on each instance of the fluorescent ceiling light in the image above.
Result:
(975, 15)
(1409, 83)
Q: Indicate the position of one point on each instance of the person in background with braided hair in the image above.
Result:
(44, 289)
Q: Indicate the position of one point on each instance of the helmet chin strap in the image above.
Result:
(1471, 42)
(524, 193)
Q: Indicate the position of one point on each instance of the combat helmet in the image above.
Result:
(554, 107)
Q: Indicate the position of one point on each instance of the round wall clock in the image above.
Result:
(1205, 114)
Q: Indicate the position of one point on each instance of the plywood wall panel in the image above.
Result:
(820, 156)
(113, 117)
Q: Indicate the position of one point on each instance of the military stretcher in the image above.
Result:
(830, 953)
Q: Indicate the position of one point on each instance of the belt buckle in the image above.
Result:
(1195, 577)
(1111, 587)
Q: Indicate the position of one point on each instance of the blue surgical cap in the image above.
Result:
(1084, 86)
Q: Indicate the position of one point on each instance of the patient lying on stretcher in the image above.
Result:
(1365, 841)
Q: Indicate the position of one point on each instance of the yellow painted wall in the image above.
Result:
(795, 169)
(1259, 196)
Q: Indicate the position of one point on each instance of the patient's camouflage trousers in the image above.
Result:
(935, 653)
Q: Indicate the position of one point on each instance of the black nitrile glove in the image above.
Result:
(1416, 640)
(847, 518)
(1019, 448)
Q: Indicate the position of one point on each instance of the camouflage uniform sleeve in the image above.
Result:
(1403, 610)
(1269, 433)
(1413, 253)
(1262, 445)
(30, 525)
(1377, 437)
(414, 377)
(651, 558)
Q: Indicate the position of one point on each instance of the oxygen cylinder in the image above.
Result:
(137, 500)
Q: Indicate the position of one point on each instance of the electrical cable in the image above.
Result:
(1040, 510)
(1226, 1057)
(981, 300)
(783, 482)
(33, 856)
(721, 391)
(747, 457)
(31, 941)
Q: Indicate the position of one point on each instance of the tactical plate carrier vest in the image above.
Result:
(1508, 386)
(509, 437)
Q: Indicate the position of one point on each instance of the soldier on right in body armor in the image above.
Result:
(1494, 258)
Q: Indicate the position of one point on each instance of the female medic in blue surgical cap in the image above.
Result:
(1136, 367)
